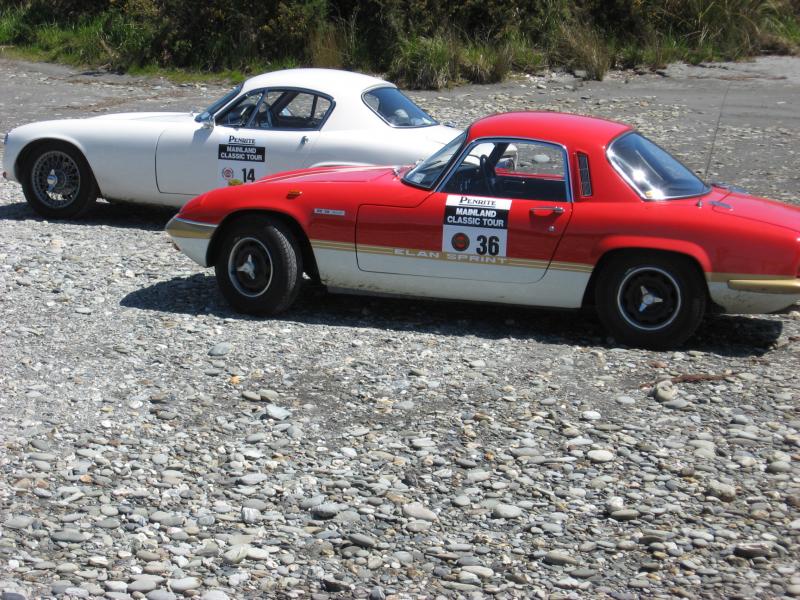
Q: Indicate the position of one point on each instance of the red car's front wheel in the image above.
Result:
(259, 266)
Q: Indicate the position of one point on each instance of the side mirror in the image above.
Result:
(506, 163)
(205, 119)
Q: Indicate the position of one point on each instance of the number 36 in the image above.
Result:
(488, 245)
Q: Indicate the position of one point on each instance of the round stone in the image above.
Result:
(600, 456)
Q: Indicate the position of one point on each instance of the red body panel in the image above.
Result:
(754, 237)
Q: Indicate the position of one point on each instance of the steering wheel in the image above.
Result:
(488, 174)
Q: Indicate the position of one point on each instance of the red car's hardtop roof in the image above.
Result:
(563, 128)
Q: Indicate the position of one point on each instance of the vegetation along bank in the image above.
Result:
(418, 43)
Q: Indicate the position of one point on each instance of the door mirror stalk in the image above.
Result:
(206, 120)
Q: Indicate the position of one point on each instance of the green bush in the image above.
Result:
(423, 62)
(485, 63)
(422, 43)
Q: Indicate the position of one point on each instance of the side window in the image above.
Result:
(520, 170)
(240, 113)
(291, 109)
(539, 160)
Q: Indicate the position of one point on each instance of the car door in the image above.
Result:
(260, 133)
(497, 217)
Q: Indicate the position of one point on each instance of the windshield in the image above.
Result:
(396, 109)
(651, 170)
(428, 171)
(217, 104)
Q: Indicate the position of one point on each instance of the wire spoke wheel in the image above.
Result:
(250, 267)
(56, 179)
(649, 298)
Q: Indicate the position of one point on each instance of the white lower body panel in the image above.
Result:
(558, 288)
(745, 302)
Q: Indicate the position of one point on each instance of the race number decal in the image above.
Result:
(240, 160)
(475, 225)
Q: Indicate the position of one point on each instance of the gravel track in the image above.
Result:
(155, 444)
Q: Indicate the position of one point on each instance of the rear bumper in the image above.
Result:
(754, 296)
(766, 286)
(192, 238)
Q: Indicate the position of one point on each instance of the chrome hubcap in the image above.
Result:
(250, 267)
(56, 179)
(649, 298)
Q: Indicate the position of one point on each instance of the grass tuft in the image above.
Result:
(426, 62)
(582, 48)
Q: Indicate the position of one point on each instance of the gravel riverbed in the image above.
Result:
(154, 444)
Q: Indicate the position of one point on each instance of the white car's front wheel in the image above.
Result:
(57, 181)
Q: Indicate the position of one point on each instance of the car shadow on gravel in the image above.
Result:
(198, 295)
(126, 216)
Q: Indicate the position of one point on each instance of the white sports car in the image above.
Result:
(274, 122)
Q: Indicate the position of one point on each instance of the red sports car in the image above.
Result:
(529, 208)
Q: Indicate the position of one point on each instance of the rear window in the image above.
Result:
(651, 170)
(396, 109)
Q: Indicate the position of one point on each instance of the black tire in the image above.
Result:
(57, 181)
(650, 300)
(259, 266)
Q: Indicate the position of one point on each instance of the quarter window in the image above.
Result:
(583, 171)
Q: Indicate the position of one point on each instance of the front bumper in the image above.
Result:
(192, 238)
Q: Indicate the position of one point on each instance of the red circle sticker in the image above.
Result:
(227, 172)
(460, 242)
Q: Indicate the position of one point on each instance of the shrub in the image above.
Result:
(485, 63)
(426, 63)
(580, 47)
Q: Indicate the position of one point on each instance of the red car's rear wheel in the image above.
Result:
(650, 300)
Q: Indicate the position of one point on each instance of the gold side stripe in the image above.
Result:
(382, 250)
(568, 266)
(330, 245)
(442, 255)
(385, 249)
(725, 277)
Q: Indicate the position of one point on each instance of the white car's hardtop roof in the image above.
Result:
(332, 82)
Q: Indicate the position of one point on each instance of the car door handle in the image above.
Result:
(547, 210)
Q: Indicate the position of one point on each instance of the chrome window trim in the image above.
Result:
(489, 140)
